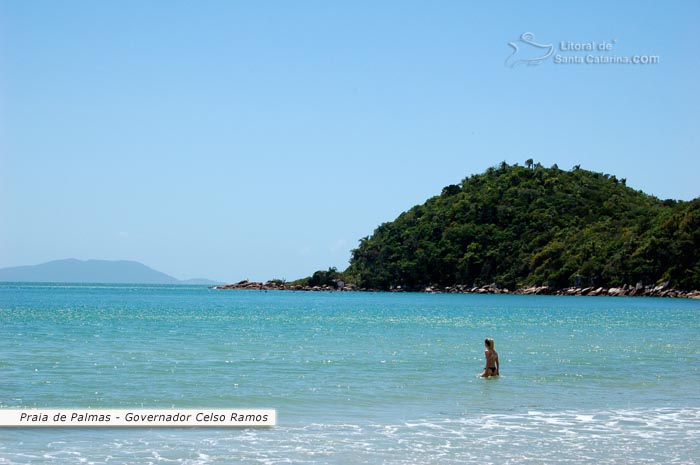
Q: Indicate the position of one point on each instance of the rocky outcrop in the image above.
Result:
(660, 290)
(276, 285)
(639, 290)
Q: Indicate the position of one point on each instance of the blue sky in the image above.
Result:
(257, 140)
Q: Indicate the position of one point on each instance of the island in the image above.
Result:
(529, 230)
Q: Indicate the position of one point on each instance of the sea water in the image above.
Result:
(355, 378)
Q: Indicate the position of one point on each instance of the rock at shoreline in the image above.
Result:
(282, 286)
(639, 290)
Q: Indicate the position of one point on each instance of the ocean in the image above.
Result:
(355, 378)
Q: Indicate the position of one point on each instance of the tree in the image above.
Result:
(324, 278)
(516, 227)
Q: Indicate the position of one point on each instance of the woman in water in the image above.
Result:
(491, 368)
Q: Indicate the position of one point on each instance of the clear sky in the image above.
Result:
(262, 139)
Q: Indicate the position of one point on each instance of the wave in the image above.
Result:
(662, 435)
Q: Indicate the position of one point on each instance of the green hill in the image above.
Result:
(529, 225)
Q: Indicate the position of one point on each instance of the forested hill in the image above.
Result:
(529, 225)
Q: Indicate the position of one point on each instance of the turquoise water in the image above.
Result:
(356, 378)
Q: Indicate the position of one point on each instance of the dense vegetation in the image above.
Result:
(529, 225)
(321, 278)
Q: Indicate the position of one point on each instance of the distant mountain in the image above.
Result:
(92, 271)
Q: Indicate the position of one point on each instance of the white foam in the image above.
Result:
(553, 437)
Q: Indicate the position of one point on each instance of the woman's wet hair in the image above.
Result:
(489, 342)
